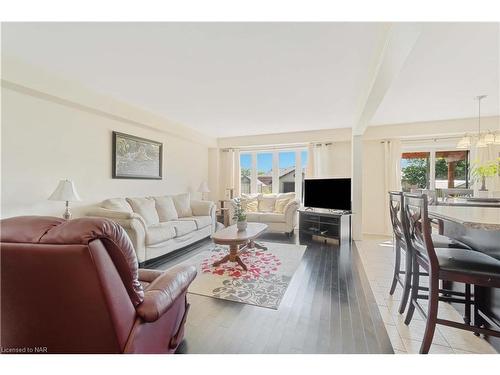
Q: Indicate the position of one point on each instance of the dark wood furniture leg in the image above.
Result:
(397, 266)
(233, 256)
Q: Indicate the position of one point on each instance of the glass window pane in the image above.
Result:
(246, 170)
(451, 169)
(415, 169)
(265, 173)
(287, 171)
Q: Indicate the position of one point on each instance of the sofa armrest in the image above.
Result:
(133, 223)
(290, 212)
(203, 208)
(164, 290)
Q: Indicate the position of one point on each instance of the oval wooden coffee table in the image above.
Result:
(238, 241)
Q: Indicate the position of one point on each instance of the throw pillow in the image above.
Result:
(116, 204)
(182, 204)
(146, 208)
(165, 208)
(267, 202)
(250, 205)
(280, 205)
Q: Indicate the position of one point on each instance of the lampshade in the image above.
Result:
(65, 191)
(204, 188)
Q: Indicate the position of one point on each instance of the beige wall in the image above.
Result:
(44, 141)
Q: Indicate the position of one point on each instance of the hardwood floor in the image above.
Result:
(328, 308)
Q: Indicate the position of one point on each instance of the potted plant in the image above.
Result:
(481, 171)
(239, 215)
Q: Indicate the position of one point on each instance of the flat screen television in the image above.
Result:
(331, 193)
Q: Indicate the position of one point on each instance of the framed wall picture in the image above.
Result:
(136, 158)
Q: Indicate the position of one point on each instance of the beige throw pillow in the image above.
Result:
(250, 205)
(165, 208)
(116, 204)
(280, 205)
(146, 208)
(182, 204)
(267, 202)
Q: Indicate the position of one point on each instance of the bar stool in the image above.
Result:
(445, 264)
(396, 203)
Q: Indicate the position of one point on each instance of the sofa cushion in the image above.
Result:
(159, 233)
(182, 204)
(201, 221)
(116, 204)
(271, 217)
(280, 205)
(146, 208)
(165, 208)
(253, 217)
(183, 227)
(267, 202)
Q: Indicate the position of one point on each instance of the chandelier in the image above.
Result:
(480, 139)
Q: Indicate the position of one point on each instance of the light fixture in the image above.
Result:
(65, 192)
(497, 138)
(464, 143)
(489, 138)
(482, 139)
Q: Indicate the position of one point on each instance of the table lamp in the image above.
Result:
(203, 189)
(65, 192)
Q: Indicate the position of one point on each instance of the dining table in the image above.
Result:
(479, 227)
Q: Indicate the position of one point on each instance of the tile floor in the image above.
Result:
(378, 259)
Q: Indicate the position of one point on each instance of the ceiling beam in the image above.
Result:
(397, 44)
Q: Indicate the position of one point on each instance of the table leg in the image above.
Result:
(233, 256)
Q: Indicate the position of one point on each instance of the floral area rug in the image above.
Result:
(263, 284)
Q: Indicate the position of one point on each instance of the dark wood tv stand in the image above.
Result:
(324, 223)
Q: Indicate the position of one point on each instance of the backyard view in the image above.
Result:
(450, 170)
(287, 161)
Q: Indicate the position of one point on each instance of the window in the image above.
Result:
(273, 171)
(286, 171)
(245, 172)
(451, 169)
(265, 173)
(415, 169)
(434, 170)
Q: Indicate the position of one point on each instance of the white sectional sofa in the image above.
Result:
(278, 211)
(159, 225)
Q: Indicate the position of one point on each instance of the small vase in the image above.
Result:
(242, 225)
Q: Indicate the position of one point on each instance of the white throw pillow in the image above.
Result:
(267, 202)
(165, 208)
(280, 205)
(286, 195)
(146, 208)
(182, 204)
(116, 204)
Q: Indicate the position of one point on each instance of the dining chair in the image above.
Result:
(402, 277)
(472, 268)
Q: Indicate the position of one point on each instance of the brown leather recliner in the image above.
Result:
(75, 287)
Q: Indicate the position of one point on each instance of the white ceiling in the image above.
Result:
(449, 65)
(230, 79)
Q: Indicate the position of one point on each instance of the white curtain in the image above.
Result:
(310, 161)
(480, 156)
(226, 171)
(392, 175)
(320, 160)
(236, 173)
(230, 172)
